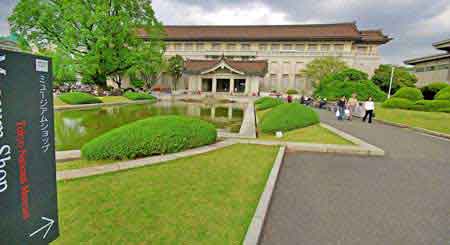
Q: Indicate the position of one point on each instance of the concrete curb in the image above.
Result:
(255, 229)
(98, 105)
(65, 156)
(421, 130)
(119, 166)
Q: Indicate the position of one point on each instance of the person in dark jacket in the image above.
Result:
(341, 107)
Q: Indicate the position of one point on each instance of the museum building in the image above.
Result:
(249, 59)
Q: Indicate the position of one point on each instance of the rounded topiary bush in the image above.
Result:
(151, 136)
(138, 96)
(432, 89)
(267, 102)
(444, 94)
(399, 103)
(363, 89)
(413, 94)
(77, 98)
(291, 91)
(446, 110)
(288, 117)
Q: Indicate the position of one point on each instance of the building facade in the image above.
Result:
(250, 59)
(433, 68)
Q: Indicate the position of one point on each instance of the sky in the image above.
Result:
(414, 24)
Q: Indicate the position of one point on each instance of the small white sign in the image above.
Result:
(279, 134)
(41, 65)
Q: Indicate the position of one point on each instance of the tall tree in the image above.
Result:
(63, 67)
(402, 78)
(175, 69)
(319, 68)
(148, 71)
(100, 35)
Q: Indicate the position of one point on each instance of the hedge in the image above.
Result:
(77, 98)
(363, 89)
(399, 103)
(444, 94)
(151, 136)
(288, 117)
(431, 105)
(413, 94)
(291, 91)
(446, 110)
(432, 89)
(267, 102)
(138, 96)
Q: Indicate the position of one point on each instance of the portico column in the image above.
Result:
(231, 85)
(214, 85)
(247, 85)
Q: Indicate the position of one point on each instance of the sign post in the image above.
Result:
(28, 198)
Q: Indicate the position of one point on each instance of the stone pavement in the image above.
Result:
(401, 198)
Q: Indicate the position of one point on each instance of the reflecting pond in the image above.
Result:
(73, 128)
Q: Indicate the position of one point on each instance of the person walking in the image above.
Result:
(352, 104)
(341, 108)
(369, 106)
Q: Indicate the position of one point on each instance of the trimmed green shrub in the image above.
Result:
(413, 94)
(363, 89)
(137, 83)
(288, 117)
(291, 91)
(138, 96)
(151, 136)
(267, 102)
(446, 110)
(432, 89)
(431, 105)
(444, 94)
(399, 103)
(78, 98)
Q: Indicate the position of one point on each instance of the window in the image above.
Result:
(178, 46)
(443, 67)
(275, 47)
(312, 47)
(339, 47)
(216, 46)
(287, 47)
(200, 46)
(262, 47)
(300, 47)
(362, 50)
(298, 82)
(420, 69)
(245, 46)
(430, 68)
(286, 67)
(273, 81)
(188, 46)
(274, 66)
(231, 46)
(325, 47)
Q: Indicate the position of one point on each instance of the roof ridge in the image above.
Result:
(275, 25)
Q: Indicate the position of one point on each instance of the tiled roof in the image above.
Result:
(332, 32)
(251, 67)
(427, 58)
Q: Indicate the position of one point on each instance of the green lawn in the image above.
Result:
(58, 102)
(105, 99)
(82, 163)
(204, 199)
(435, 121)
(311, 134)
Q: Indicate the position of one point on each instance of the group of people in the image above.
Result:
(346, 108)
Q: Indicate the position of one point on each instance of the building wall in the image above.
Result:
(432, 71)
(286, 59)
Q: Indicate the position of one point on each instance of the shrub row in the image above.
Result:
(413, 94)
(78, 98)
(267, 102)
(151, 136)
(421, 105)
(138, 96)
(363, 88)
(432, 89)
(288, 117)
(443, 94)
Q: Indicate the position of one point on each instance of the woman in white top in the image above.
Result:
(369, 106)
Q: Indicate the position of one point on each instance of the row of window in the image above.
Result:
(433, 68)
(260, 47)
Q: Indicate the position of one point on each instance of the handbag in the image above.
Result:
(337, 113)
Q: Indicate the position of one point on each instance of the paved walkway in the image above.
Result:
(401, 198)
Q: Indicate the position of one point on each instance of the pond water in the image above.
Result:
(73, 128)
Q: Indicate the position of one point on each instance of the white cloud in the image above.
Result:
(429, 27)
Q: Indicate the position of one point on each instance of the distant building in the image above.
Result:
(9, 42)
(433, 68)
(249, 59)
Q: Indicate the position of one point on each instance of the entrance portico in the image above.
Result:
(225, 76)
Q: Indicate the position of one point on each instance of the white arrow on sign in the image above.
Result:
(48, 226)
(2, 71)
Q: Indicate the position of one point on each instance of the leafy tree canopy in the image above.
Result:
(175, 68)
(402, 78)
(99, 35)
(319, 68)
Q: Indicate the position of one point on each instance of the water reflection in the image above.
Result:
(75, 127)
